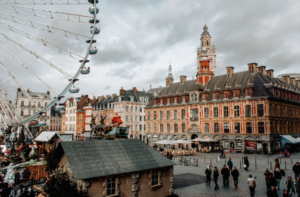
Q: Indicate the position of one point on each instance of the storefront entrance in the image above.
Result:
(232, 147)
(195, 144)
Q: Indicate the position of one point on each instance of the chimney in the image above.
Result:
(135, 90)
(113, 95)
(230, 71)
(252, 67)
(122, 91)
(270, 72)
(286, 78)
(293, 81)
(297, 82)
(182, 79)
(262, 69)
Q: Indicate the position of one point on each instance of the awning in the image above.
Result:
(148, 135)
(154, 135)
(287, 139)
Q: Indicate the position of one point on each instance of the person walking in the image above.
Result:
(271, 182)
(290, 185)
(225, 174)
(297, 186)
(296, 170)
(235, 174)
(252, 184)
(285, 193)
(272, 192)
(216, 176)
(246, 163)
(17, 177)
(221, 153)
(230, 165)
(208, 175)
(278, 177)
(277, 165)
(267, 175)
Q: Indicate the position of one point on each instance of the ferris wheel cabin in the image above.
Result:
(74, 90)
(95, 30)
(94, 10)
(93, 51)
(92, 1)
(85, 70)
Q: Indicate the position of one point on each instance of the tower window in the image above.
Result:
(207, 43)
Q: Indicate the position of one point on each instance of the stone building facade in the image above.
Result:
(244, 110)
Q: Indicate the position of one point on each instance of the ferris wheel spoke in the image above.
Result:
(40, 40)
(36, 55)
(44, 13)
(27, 68)
(30, 23)
(44, 2)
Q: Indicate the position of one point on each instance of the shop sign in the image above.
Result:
(250, 144)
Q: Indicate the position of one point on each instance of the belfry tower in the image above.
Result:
(210, 50)
(169, 79)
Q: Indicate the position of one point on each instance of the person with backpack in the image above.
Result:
(252, 184)
(278, 177)
(272, 192)
(290, 185)
(235, 174)
(216, 176)
(230, 164)
(225, 174)
(208, 175)
(271, 182)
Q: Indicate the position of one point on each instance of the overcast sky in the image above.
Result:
(138, 39)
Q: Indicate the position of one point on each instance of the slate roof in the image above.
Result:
(90, 159)
(154, 91)
(39, 94)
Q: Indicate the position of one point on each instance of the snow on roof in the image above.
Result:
(46, 136)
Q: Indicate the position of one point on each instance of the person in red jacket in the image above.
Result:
(116, 121)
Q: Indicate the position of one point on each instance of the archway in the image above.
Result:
(194, 144)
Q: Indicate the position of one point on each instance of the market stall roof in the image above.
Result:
(165, 142)
(205, 140)
(66, 137)
(287, 139)
(46, 136)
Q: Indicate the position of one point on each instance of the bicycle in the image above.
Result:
(195, 162)
(187, 162)
(180, 161)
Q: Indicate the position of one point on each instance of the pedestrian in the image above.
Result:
(246, 163)
(296, 170)
(278, 177)
(271, 182)
(26, 173)
(216, 176)
(290, 185)
(297, 186)
(285, 193)
(230, 164)
(225, 174)
(170, 155)
(267, 175)
(5, 163)
(208, 175)
(235, 174)
(272, 192)
(224, 154)
(252, 184)
(17, 177)
(221, 153)
(277, 165)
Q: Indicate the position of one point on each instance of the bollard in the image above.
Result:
(255, 164)
(271, 165)
(240, 164)
(280, 160)
(285, 165)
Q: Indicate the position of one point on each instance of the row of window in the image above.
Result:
(29, 104)
(168, 115)
(55, 128)
(216, 127)
(137, 118)
(55, 121)
(135, 109)
(137, 127)
(283, 111)
(101, 107)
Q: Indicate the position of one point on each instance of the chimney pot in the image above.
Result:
(252, 67)
(182, 79)
(122, 91)
(270, 72)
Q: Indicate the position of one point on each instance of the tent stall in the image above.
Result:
(288, 140)
(206, 140)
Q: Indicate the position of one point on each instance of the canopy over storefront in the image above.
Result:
(165, 142)
(287, 139)
(205, 140)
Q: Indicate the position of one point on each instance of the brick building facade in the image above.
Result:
(242, 110)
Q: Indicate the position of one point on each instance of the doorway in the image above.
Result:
(195, 144)
(232, 147)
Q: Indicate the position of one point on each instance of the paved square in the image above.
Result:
(189, 181)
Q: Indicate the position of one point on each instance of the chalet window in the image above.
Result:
(154, 177)
(261, 127)
(168, 115)
(248, 92)
(237, 127)
(203, 97)
(154, 127)
(148, 115)
(183, 127)
(161, 128)
(248, 110)
(270, 109)
(225, 95)
(214, 96)
(154, 118)
(216, 112)
(226, 127)
(194, 113)
(161, 115)
(206, 112)
(206, 127)
(226, 114)
(249, 127)
(175, 114)
(260, 110)
(236, 111)
(182, 114)
(168, 128)
(175, 128)
(216, 127)
(111, 189)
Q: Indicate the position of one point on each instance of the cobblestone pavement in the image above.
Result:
(199, 188)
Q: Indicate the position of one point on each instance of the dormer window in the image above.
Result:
(183, 99)
(214, 96)
(235, 93)
(225, 94)
(203, 97)
(192, 97)
(175, 99)
(248, 92)
(161, 101)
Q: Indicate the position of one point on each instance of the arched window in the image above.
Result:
(207, 43)
(22, 113)
(22, 103)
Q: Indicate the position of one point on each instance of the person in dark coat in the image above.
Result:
(225, 174)
(17, 177)
(296, 170)
(221, 153)
(235, 174)
(278, 177)
(208, 176)
(271, 182)
(297, 186)
(216, 176)
(290, 185)
(285, 193)
(26, 173)
(230, 165)
(267, 174)
(272, 192)
(246, 162)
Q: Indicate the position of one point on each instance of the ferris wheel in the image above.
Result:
(16, 16)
